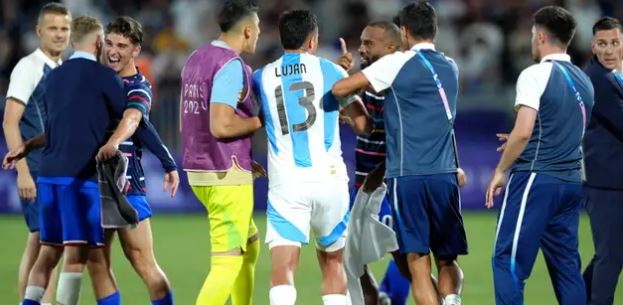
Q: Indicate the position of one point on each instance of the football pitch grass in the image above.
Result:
(182, 249)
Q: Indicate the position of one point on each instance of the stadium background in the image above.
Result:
(489, 39)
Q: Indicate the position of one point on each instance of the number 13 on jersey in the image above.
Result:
(306, 101)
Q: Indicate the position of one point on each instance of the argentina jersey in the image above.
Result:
(301, 118)
(27, 86)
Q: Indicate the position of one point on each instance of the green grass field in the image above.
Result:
(181, 245)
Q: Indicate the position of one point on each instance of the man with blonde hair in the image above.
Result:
(25, 116)
(68, 189)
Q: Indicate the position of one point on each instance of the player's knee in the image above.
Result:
(145, 266)
(447, 262)
(499, 261)
(47, 259)
(333, 257)
(332, 263)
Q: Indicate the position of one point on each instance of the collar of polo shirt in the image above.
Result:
(423, 46)
(557, 56)
(48, 60)
(84, 55)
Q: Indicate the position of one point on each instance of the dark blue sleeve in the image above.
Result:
(608, 108)
(149, 138)
(112, 87)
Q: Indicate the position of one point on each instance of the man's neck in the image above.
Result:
(414, 41)
(547, 51)
(87, 49)
(300, 51)
(128, 70)
(233, 41)
(54, 56)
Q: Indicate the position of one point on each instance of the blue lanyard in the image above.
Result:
(444, 100)
(618, 77)
(442, 92)
(577, 94)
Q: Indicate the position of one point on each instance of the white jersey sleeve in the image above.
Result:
(24, 80)
(381, 73)
(531, 85)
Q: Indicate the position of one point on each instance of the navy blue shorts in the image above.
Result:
(69, 211)
(427, 214)
(30, 210)
(140, 204)
(385, 213)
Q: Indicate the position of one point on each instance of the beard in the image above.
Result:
(367, 62)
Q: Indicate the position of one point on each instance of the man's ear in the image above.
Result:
(136, 50)
(542, 37)
(247, 31)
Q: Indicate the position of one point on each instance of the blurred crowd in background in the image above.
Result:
(489, 39)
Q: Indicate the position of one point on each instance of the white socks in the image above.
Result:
(335, 299)
(282, 295)
(452, 299)
(34, 293)
(68, 292)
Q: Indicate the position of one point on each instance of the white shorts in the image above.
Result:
(294, 207)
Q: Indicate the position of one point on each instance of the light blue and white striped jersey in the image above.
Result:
(301, 118)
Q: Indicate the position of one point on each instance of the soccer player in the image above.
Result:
(308, 183)
(68, 191)
(603, 147)
(543, 195)
(419, 112)
(377, 40)
(218, 116)
(122, 45)
(24, 118)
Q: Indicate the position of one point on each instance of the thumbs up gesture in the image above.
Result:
(346, 59)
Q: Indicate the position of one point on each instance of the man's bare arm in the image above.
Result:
(350, 85)
(13, 114)
(358, 115)
(126, 128)
(225, 123)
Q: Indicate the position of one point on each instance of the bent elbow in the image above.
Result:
(362, 126)
(524, 136)
(218, 130)
(339, 90)
(217, 133)
(9, 124)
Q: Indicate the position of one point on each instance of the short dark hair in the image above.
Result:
(396, 20)
(295, 26)
(557, 21)
(233, 11)
(53, 8)
(607, 23)
(128, 27)
(420, 19)
(391, 29)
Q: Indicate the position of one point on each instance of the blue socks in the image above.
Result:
(30, 302)
(166, 300)
(113, 299)
(395, 285)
